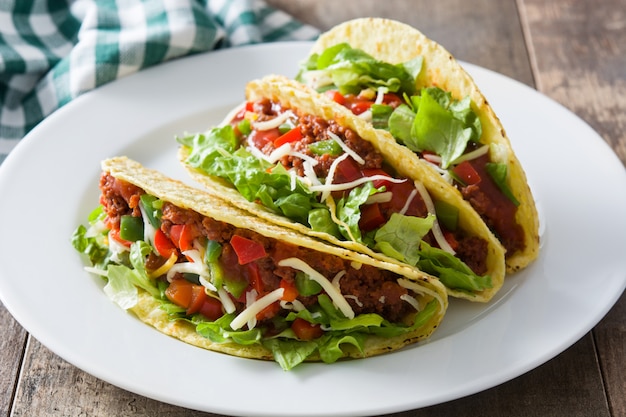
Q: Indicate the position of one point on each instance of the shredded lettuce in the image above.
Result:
(352, 70)
(400, 237)
(349, 210)
(451, 271)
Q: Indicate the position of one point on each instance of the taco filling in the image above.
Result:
(238, 286)
(442, 131)
(325, 176)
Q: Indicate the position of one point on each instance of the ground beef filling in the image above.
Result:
(375, 290)
(496, 209)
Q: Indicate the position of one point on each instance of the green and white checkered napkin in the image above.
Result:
(53, 51)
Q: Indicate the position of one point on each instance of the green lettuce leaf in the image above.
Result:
(349, 209)
(400, 237)
(451, 271)
(352, 70)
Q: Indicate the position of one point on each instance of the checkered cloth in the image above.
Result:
(53, 51)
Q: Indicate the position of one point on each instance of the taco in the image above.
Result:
(205, 272)
(402, 82)
(310, 165)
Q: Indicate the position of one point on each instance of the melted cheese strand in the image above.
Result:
(255, 308)
(441, 240)
(331, 290)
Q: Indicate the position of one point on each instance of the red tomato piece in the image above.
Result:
(305, 330)
(254, 278)
(290, 291)
(247, 250)
(182, 236)
(163, 244)
(260, 138)
(293, 135)
(180, 292)
(466, 173)
(269, 311)
(347, 170)
(198, 295)
(371, 217)
(370, 172)
(336, 96)
(392, 100)
(359, 107)
(211, 308)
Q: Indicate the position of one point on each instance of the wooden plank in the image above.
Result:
(580, 61)
(472, 31)
(52, 387)
(568, 385)
(11, 350)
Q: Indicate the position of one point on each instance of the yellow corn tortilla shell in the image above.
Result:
(182, 195)
(394, 42)
(294, 95)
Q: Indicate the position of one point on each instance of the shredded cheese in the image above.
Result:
(336, 279)
(162, 270)
(411, 300)
(379, 198)
(476, 153)
(272, 123)
(355, 298)
(255, 308)
(227, 302)
(410, 285)
(331, 174)
(408, 202)
(346, 149)
(331, 290)
(441, 240)
(352, 184)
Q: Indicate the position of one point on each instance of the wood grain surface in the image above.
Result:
(574, 51)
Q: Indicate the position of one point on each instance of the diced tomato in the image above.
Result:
(182, 236)
(348, 170)
(249, 106)
(305, 330)
(290, 291)
(198, 295)
(254, 278)
(211, 308)
(269, 311)
(293, 135)
(400, 193)
(336, 96)
(371, 217)
(359, 107)
(392, 99)
(180, 292)
(370, 172)
(260, 138)
(466, 173)
(247, 250)
(163, 244)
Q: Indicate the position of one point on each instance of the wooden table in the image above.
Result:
(571, 50)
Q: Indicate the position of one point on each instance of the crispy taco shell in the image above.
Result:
(395, 42)
(293, 95)
(183, 196)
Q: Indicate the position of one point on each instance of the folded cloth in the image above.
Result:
(53, 51)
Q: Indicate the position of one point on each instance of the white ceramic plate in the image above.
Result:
(48, 185)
